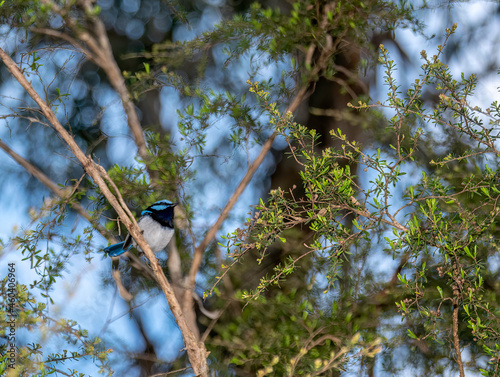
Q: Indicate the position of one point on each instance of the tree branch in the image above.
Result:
(196, 350)
(102, 55)
(46, 181)
(198, 253)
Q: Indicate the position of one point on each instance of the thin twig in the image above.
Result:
(67, 38)
(169, 373)
(456, 339)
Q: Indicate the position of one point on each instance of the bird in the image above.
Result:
(157, 225)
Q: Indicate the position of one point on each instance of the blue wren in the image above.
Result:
(157, 226)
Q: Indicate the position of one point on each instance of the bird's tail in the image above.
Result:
(115, 250)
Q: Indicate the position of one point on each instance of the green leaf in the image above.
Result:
(411, 334)
(440, 291)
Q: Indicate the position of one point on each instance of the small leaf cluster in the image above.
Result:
(47, 246)
(34, 359)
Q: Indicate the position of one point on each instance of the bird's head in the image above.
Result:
(162, 211)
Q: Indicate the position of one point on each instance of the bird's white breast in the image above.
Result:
(156, 235)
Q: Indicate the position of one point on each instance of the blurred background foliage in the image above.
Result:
(186, 65)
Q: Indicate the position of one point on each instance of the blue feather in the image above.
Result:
(116, 249)
(159, 207)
